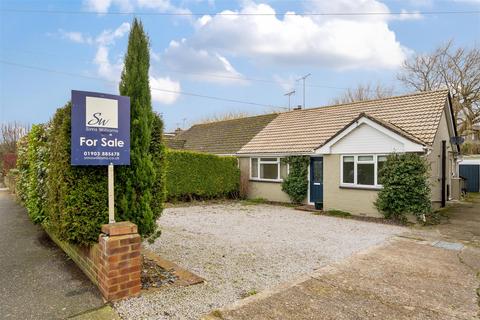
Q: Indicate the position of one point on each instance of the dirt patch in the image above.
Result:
(154, 276)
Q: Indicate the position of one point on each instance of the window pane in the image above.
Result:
(365, 158)
(254, 168)
(269, 159)
(318, 171)
(365, 173)
(269, 171)
(348, 169)
(380, 164)
(283, 170)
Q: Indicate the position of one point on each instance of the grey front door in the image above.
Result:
(316, 179)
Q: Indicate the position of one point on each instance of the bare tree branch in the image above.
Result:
(364, 92)
(10, 133)
(456, 69)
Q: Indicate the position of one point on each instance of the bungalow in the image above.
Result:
(348, 144)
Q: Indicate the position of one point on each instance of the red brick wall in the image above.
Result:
(114, 264)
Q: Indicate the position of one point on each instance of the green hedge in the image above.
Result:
(23, 174)
(37, 156)
(192, 175)
(77, 200)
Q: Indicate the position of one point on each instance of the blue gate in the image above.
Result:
(471, 172)
(316, 180)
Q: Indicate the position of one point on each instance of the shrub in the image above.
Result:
(37, 155)
(405, 187)
(197, 175)
(158, 152)
(77, 195)
(296, 183)
(135, 182)
(23, 168)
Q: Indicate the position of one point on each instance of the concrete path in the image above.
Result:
(37, 280)
(408, 278)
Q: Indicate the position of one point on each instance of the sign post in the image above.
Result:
(100, 134)
(111, 195)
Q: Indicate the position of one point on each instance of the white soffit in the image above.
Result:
(367, 136)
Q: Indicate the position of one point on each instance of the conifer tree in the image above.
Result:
(134, 183)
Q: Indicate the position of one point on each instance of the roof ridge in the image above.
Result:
(239, 118)
(372, 100)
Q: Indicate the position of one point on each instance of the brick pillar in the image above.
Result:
(120, 261)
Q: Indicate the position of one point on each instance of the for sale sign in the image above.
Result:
(100, 129)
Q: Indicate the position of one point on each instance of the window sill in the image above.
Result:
(360, 187)
(265, 180)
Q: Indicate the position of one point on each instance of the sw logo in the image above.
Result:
(101, 113)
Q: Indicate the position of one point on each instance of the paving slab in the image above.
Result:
(103, 313)
(37, 280)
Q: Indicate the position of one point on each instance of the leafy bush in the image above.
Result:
(37, 154)
(76, 195)
(23, 168)
(296, 184)
(197, 175)
(158, 152)
(405, 187)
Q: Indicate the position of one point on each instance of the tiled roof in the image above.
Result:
(173, 143)
(301, 131)
(223, 137)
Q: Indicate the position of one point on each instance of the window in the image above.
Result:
(362, 170)
(254, 168)
(380, 163)
(365, 170)
(349, 169)
(269, 169)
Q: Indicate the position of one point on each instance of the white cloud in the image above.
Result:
(200, 64)
(102, 6)
(322, 41)
(98, 5)
(161, 6)
(287, 84)
(75, 36)
(106, 69)
(108, 37)
(171, 87)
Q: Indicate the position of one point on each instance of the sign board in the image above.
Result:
(100, 129)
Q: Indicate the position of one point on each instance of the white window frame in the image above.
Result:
(260, 162)
(355, 184)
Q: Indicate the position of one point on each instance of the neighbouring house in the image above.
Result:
(348, 144)
(224, 138)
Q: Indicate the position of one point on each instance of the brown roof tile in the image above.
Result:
(301, 131)
(223, 137)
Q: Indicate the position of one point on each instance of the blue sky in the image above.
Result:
(49, 48)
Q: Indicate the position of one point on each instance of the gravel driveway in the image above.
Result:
(243, 249)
